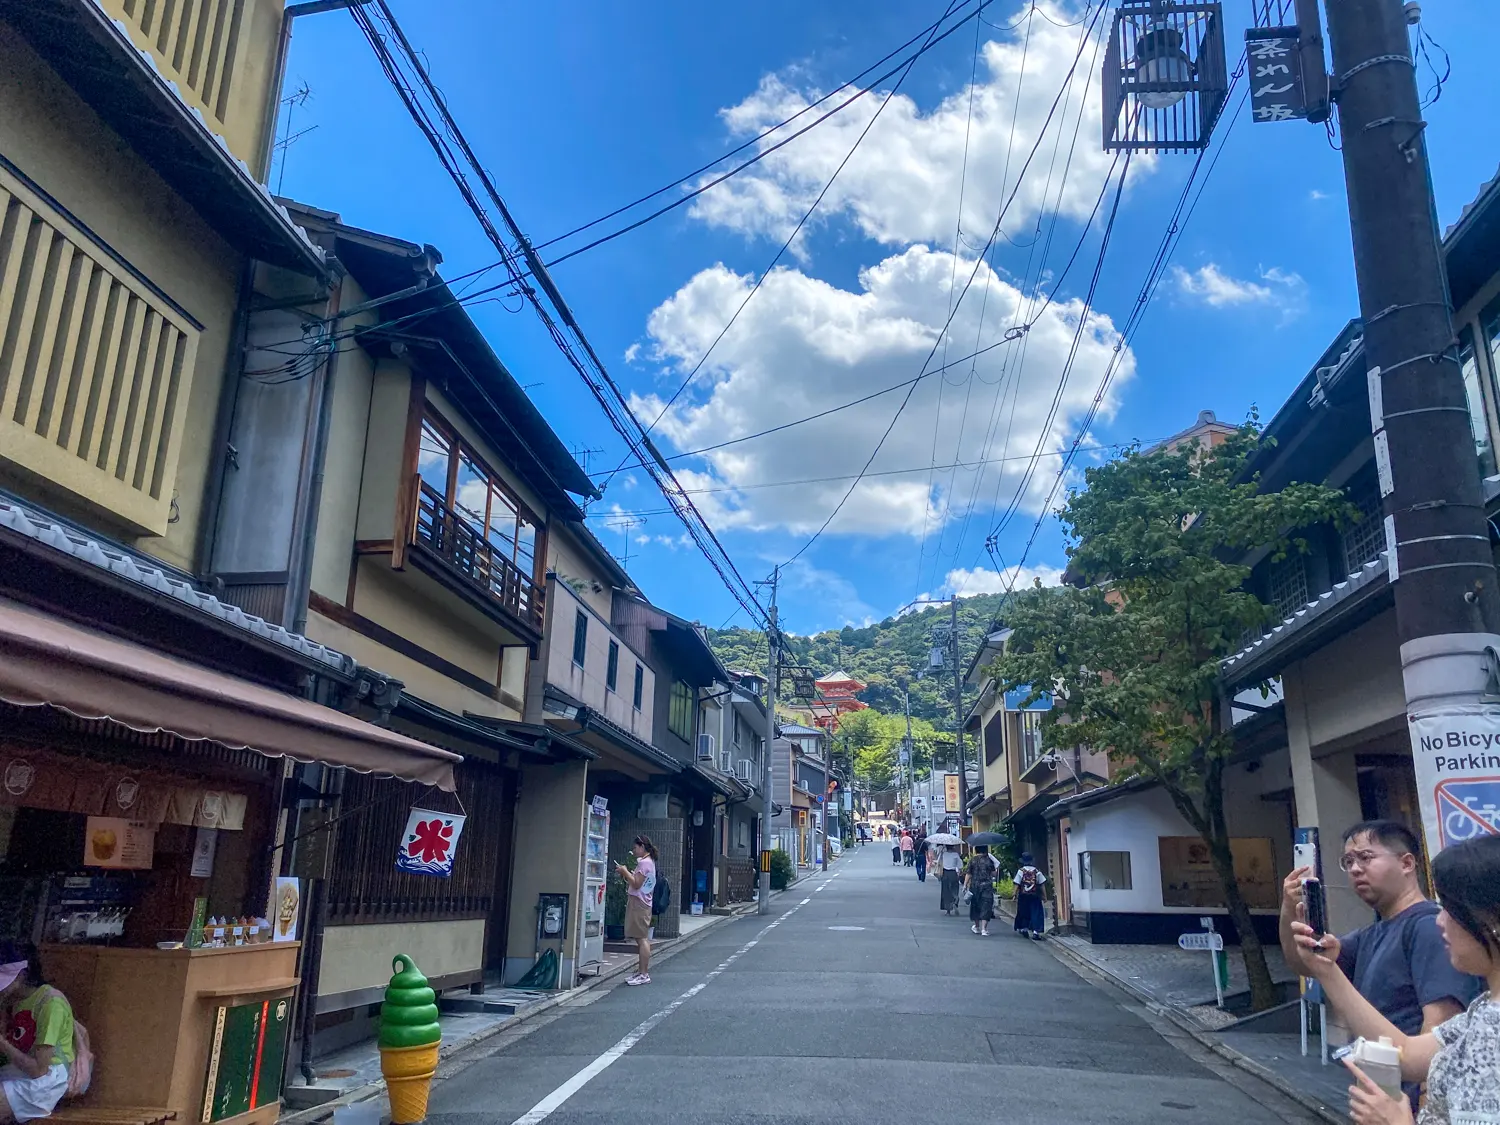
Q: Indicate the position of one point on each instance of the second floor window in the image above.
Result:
(455, 474)
(1478, 413)
(612, 670)
(680, 713)
(1031, 738)
(1288, 585)
(1365, 540)
(640, 686)
(580, 637)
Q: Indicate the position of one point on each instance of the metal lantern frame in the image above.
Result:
(1197, 29)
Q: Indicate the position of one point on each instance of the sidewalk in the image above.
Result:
(1177, 983)
(353, 1075)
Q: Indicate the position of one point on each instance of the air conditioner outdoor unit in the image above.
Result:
(705, 747)
(726, 761)
(745, 770)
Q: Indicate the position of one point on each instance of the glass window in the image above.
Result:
(580, 637)
(1491, 328)
(612, 670)
(1031, 738)
(434, 457)
(1289, 585)
(680, 714)
(1478, 419)
(1104, 871)
(640, 686)
(471, 493)
(1365, 540)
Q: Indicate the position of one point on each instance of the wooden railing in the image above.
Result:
(193, 42)
(444, 533)
(95, 362)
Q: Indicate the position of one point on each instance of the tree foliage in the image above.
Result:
(874, 741)
(887, 655)
(1133, 657)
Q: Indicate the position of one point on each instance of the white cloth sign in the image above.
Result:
(430, 843)
(1456, 754)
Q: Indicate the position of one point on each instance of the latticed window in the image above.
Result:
(680, 712)
(1288, 586)
(1364, 540)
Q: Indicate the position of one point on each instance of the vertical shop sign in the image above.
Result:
(245, 1058)
(430, 842)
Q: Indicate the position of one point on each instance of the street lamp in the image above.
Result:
(1165, 80)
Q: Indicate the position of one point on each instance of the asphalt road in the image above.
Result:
(859, 1002)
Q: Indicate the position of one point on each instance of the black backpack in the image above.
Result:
(661, 897)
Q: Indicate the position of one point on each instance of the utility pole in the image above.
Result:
(958, 712)
(1447, 607)
(773, 639)
(910, 754)
(827, 750)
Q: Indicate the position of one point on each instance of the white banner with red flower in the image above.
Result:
(429, 843)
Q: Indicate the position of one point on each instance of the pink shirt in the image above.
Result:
(645, 866)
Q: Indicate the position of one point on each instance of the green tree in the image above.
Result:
(874, 739)
(1133, 658)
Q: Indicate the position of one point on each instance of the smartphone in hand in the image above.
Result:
(1317, 907)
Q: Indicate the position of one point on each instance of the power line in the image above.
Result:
(444, 135)
(1067, 80)
(785, 246)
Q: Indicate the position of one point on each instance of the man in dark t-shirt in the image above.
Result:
(1399, 962)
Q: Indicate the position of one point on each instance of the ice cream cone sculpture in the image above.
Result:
(409, 1037)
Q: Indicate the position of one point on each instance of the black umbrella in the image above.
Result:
(985, 839)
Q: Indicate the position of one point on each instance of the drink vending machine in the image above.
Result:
(595, 880)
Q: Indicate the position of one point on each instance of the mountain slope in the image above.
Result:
(887, 656)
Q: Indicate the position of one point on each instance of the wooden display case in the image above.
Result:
(154, 1017)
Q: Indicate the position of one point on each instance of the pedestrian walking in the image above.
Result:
(1460, 1058)
(979, 878)
(640, 889)
(1398, 963)
(907, 848)
(1031, 919)
(919, 850)
(895, 850)
(951, 862)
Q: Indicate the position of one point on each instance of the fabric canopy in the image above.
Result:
(44, 660)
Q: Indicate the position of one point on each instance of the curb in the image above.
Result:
(1204, 1038)
(450, 1050)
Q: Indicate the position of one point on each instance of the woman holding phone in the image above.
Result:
(640, 887)
(1459, 1059)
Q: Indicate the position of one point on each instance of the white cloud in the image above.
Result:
(1276, 287)
(1318, 196)
(632, 353)
(983, 580)
(902, 184)
(804, 345)
(836, 597)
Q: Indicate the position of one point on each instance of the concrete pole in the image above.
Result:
(773, 638)
(1441, 568)
(827, 750)
(958, 712)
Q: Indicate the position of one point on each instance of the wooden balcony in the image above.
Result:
(95, 362)
(193, 42)
(471, 566)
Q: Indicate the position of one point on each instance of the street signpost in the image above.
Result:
(1213, 944)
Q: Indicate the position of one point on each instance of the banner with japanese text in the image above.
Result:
(430, 842)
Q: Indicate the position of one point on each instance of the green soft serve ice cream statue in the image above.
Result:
(409, 1037)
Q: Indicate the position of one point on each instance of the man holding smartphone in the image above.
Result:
(1398, 962)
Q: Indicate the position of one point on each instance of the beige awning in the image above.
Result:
(44, 660)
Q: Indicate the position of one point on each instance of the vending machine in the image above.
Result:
(595, 878)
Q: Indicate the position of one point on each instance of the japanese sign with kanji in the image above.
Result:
(429, 843)
(1274, 69)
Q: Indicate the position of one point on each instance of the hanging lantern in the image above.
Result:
(1165, 80)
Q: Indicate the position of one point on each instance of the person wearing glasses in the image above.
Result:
(1398, 962)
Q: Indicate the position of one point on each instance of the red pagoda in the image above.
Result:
(836, 693)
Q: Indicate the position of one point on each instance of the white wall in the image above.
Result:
(358, 958)
(1134, 823)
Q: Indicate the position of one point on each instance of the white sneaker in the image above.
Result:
(639, 978)
(974, 929)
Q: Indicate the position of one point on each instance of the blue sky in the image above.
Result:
(576, 109)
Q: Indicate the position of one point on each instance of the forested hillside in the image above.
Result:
(887, 655)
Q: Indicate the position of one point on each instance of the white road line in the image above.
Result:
(558, 1097)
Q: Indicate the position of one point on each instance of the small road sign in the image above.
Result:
(1213, 942)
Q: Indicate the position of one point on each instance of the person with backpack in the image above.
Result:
(640, 901)
(1031, 919)
(36, 1036)
(979, 878)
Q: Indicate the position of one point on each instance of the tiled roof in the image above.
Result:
(1484, 189)
(69, 540)
(1366, 575)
